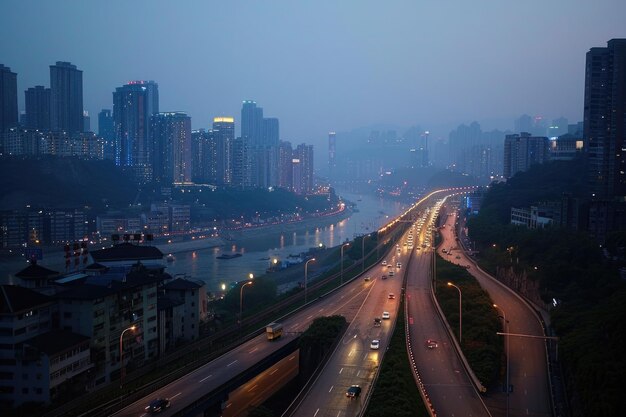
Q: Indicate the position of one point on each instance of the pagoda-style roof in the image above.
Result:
(35, 271)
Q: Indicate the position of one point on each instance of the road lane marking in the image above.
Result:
(340, 371)
(231, 363)
(320, 310)
(274, 371)
(253, 387)
(331, 388)
(351, 352)
(205, 378)
(292, 357)
(229, 404)
(318, 410)
(254, 350)
(295, 326)
(358, 373)
(176, 395)
(338, 413)
(309, 317)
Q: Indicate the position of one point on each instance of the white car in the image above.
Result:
(384, 263)
(375, 344)
(399, 265)
(386, 315)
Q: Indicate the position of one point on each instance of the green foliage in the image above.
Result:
(570, 268)
(395, 388)
(322, 333)
(482, 347)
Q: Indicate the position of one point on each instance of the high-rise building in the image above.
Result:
(241, 164)
(66, 97)
(106, 131)
(332, 163)
(171, 138)
(133, 105)
(285, 165)
(604, 115)
(270, 131)
(523, 150)
(8, 98)
(86, 121)
(251, 122)
(523, 124)
(202, 156)
(37, 101)
(223, 137)
(303, 169)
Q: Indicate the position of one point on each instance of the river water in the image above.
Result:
(371, 213)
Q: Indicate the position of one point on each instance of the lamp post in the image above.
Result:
(241, 300)
(133, 327)
(506, 325)
(460, 312)
(343, 246)
(306, 275)
(363, 252)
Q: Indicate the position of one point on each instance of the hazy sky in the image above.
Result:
(321, 65)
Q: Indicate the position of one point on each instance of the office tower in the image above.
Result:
(133, 105)
(171, 139)
(523, 150)
(270, 131)
(303, 169)
(332, 163)
(37, 101)
(8, 98)
(223, 137)
(251, 122)
(604, 119)
(66, 97)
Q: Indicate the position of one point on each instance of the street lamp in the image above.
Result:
(241, 300)
(251, 275)
(506, 325)
(460, 313)
(363, 253)
(133, 327)
(306, 273)
(343, 246)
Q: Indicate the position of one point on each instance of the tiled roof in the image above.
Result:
(35, 271)
(56, 341)
(14, 298)
(126, 252)
(183, 284)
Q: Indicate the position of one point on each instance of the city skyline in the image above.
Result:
(309, 63)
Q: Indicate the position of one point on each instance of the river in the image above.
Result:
(371, 212)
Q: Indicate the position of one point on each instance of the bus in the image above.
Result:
(273, 331)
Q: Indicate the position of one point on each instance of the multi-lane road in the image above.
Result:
(355, 362)
(530, 395)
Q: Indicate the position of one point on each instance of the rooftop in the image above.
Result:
(126, 252)
(57, 341)
(14, 298)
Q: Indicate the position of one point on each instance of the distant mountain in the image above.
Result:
(62, 182)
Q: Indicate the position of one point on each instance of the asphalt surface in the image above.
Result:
(207, 378)
(530, 394)
(446, 382)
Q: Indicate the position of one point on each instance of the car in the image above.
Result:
(431, 344)
(367, 278)
(392, 296)
(375, 344)
(386, 315)
(353, 392)
(384, 263)
(391, 273)
(158, 405)
(458, 257)
(399, 265)
(377, 321)
(383, 277)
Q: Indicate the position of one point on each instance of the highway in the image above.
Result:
(354, 362)
(446, 382)
(207, 378)
(528, 367)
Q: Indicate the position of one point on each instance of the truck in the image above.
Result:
(273, 330)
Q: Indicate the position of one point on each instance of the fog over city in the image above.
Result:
(322, 65)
